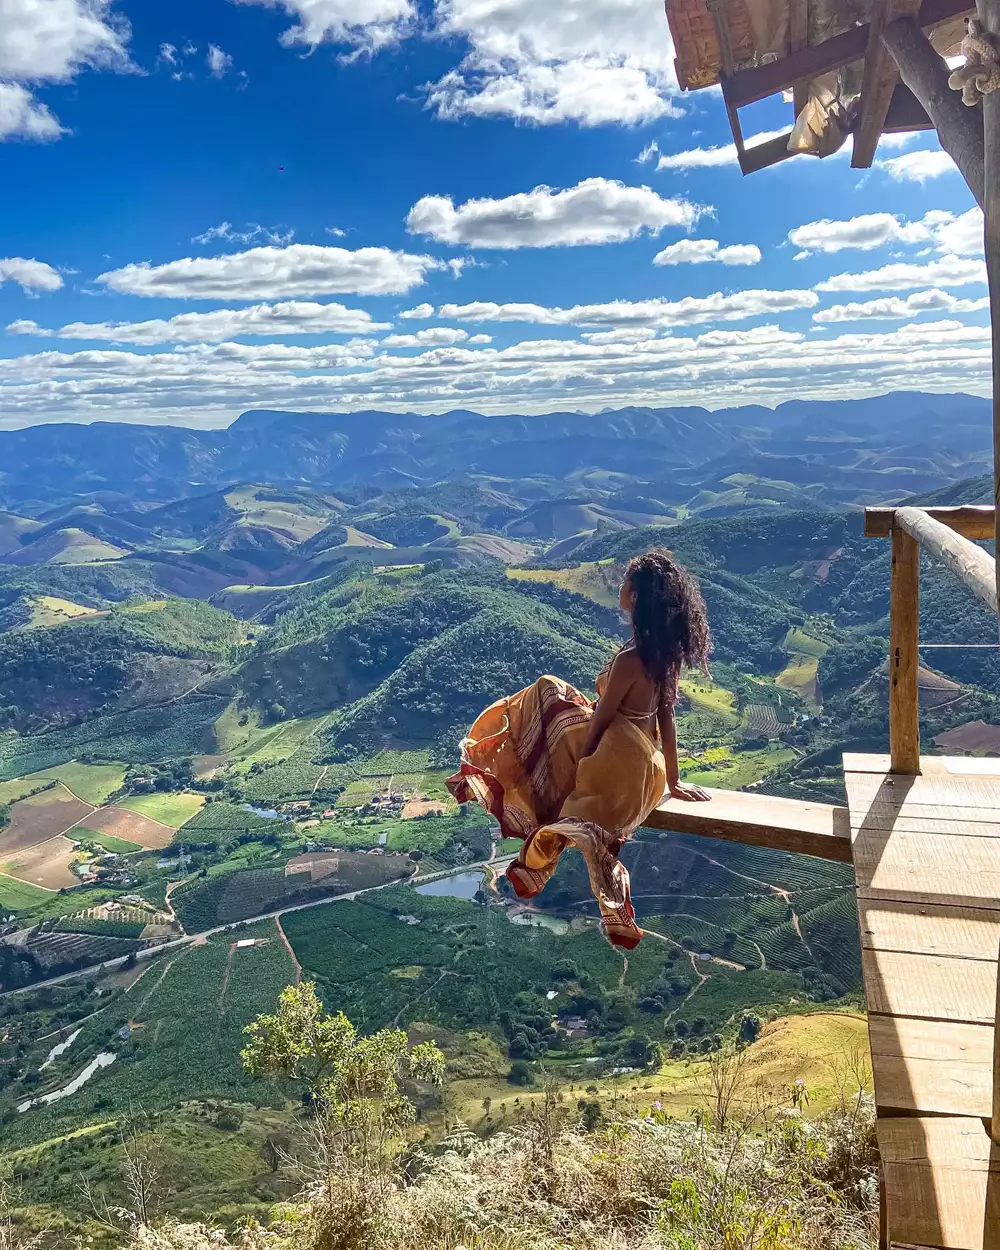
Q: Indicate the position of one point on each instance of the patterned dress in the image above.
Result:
(522, 762)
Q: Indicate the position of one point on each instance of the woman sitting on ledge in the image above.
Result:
(557, 770)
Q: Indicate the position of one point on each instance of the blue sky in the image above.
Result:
(504, 205)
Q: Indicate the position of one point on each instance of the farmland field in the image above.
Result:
(762, 718)
(166, 809)
(801, 675)
(49, 610)
(41, 817)
(18, 895)
(109, 842)
(130, 826)
(45, 864)
(91, 782)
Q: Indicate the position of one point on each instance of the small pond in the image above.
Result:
(459, 885)
(102, 1060)
(60, 1048)
(555, 924)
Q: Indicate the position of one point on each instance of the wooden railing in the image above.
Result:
(948, 534)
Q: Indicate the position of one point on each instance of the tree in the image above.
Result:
(354, 1085)
(750, 1027)
(520, 1073)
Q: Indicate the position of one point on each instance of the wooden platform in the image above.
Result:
(926, 853)
(818, 829)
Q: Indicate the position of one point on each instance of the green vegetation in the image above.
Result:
(168, 809)
(110, 843)
(19, 896)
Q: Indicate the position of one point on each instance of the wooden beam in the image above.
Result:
(973, 566)
(818, 829)
(960, 129)
(798, 38)
(760, 81)
(970, 520)
(904, 616)
(763, 155)
(879, 82)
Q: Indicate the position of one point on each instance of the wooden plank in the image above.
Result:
(930, 765)
(973, 566)
(760, 81)
(886, 817)
(880, 79)
(904, 624)
(763, 155)
(932, 1065)
(911, 794)
(817, 829)
(942, 1181)
(929, 929)
(798, 38)
(970, 520)
(924, 867)
(899, 983)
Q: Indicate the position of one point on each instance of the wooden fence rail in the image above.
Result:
(947, 534)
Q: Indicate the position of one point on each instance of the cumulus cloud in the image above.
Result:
(260, 320)
(168, 54)
(896, 308)
(32, 276)
(219, 62)
(705, 251)
(652, 312)
(420, 313)
(948, 271)
(51, 41)
(23, 117)
(432, 336)
(264, 273)
(918, 166)
(364, 25)
(594, 211)
(712, 157)
(948, 233)
(593, 62)
(206, 385)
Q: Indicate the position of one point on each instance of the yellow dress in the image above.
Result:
(521, 761)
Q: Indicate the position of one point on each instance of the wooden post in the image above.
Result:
(989, 15)
(960, 129)
(904, 618)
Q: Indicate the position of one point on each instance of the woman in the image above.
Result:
(556, 770)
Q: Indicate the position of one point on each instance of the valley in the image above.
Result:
(229, 707)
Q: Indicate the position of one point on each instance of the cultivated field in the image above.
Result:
(41, 817)
(166, 809)
(46, 864)
(131, 827)
(18, 895)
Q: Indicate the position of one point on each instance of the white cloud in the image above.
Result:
(713, 157)
(272, 272)
(896, 308)
(961, 235)
(653, 312)
(594, 211)
(251, 233)
(481, 338)
(364, 25)
(648, 152)
(705, 251)
(593, 62)
(918, 166)
(420, 313)
(208, 385)
(432, 336)
(24, 117)
(260, 320)
(948, 271)
(168, 54)
(219, 62)
(31, 276)
(51, 40)
(627, 334)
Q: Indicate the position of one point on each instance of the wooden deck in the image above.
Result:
(926, 855)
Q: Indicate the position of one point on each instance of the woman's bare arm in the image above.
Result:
(668, 740)
(620, 681)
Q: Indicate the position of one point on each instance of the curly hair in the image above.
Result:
(669, 618)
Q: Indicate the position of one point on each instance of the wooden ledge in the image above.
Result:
(969, 520)
(818, 829)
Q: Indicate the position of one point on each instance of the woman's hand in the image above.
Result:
(691, 794)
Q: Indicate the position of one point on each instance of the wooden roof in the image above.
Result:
(759, 48)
